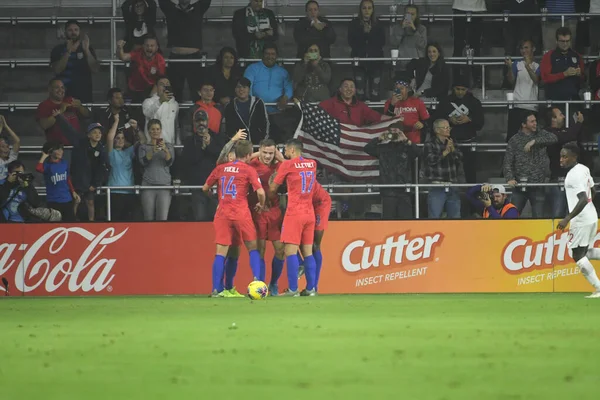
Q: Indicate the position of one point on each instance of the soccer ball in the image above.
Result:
(257, 290)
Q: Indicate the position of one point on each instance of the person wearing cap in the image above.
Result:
(465, 114)
(206, 103)
(89, 167)
(246, 112)
(198, 159)
(492, 201)
(74, 61)
(411, 109)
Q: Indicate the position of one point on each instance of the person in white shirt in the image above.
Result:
(163, 107)
(524, 76)
(583, 218)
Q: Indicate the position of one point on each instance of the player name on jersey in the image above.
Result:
(304, 165)
(235, 170)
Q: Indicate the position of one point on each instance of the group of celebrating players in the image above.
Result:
(248, 186)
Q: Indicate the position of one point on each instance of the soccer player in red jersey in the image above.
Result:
(268, 222)
(322, 206)
(233, 217)
(299, 222)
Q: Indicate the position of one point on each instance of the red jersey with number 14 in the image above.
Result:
(264, 173)
(234, 180)
(300, 176)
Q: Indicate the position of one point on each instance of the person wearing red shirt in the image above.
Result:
(322, 205)
(347, 109)
(411, 109)
(147, 65)
(57, 110)
(207, 94)
(268, 223)
(233, 220)
(298, 227)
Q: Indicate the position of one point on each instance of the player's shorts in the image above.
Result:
(233, 232)
(268, 224)
(322, 212)
(298, 229)
(582, 236)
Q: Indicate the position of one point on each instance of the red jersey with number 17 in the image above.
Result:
(300, 175)
(264, 173)
(234, 180)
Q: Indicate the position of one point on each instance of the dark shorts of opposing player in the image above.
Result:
(298, 229)
(233, 232)
(322, 212)
(268, 224)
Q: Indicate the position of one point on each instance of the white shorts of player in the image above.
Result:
(582, 236)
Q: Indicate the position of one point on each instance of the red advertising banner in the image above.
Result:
(359, 257)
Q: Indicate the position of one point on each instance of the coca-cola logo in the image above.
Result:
(89, 273)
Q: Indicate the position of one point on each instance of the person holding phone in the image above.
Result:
(409, 36)
(312, 76)
(163, 107)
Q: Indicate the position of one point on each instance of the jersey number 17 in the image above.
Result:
(308, 180)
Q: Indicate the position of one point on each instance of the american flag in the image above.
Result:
(339, 147)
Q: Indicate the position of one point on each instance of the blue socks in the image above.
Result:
(276, 270)
(292, 272)
(319, 260)
(263, 270)
(255, 263)
(217, 273)
(310, 270)
(231, 265)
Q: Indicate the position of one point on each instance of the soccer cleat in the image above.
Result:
(310, 293)
(290, 293)
(273, 290)
(234, 293)
(595, 295)
(218, 294)
(300, 271)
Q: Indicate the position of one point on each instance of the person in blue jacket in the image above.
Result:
(492, 201)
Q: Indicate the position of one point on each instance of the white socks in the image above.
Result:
(593, 254)
(587, 270)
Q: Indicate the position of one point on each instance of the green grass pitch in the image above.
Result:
(527, 346)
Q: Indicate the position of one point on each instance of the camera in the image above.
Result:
(391, 136)
(485, 195)
(25, 177)
(397, 91)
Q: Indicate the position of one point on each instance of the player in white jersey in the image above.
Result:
(579, 189)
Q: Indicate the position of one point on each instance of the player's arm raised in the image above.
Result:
(583, 201)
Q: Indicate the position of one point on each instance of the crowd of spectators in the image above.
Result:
(126, 146)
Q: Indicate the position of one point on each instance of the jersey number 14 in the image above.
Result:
(229, 188)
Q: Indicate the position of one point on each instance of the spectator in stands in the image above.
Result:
(465, 114)
(594, 27)
(116, 106)
(526, 161)
(518, 29)
(198, 159)
(396, 154)
(594, 74)
(346, 108)
(89, 167)
(555, 123)
(17, 194)
(147, 65)
(121, 170)
(272, 84)
(366, 37)
(524, 77)
(58, 110)
(163, 107)
(409, 36)
(431, 74)
(312, 76)
(184, 22)
(467, 32)
(225, 75)
(492, 202)
(562, 69)
(60, 194)
(74, 61)
(207, 93)
(157, 157)
(247, 113)
(442, 165)
(411, 109)
(254, 27)
(140, 19)
(552, 24)
(7, 155)
(314, 29)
